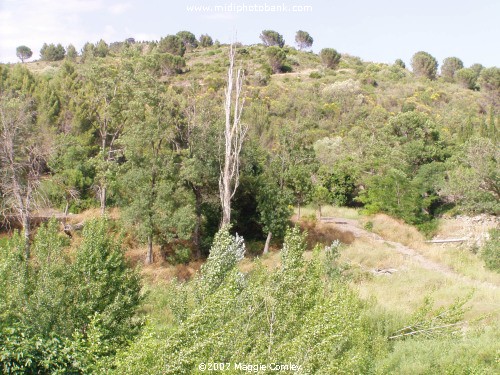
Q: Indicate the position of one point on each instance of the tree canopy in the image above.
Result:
(303, 39)
(272, 38)
(23, 53)
(450, 66)
(424, 65)
(330, 57)
(52, 52)
(172, 44)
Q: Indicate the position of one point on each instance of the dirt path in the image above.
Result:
(350, 225)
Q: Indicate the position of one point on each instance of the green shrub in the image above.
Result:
(315, 75)
(172, 44)
(489, 79)
(51, 52)
(400, 63)
(392, 193)
(276, 57)
(490, 252)
(65, 313)
(206, 40)
(188, 39)
(368, 225)
(330, 57)
(170, 64)
(181, 255)
(466, 77)
(225, 253)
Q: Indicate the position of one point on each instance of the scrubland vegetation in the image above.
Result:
(345, 169)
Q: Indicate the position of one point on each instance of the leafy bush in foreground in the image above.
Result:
(62, 313)
(290, 315)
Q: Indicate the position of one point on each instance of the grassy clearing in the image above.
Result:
(368, 255)
(471, 354)
(462, 261)
(458, 257)
(405, 290)
(329, 211)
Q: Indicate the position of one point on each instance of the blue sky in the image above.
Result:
(375, 30)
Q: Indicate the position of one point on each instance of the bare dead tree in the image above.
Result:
(21, 162)
(234, 135)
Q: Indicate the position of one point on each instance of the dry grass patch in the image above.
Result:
(456, 256)
(404, 291)
(371, 256)
(396, 230)
(461, 260)
(328, 211)
(41, 67)
(324, 234)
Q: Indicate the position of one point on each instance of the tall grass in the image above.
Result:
(476, 353)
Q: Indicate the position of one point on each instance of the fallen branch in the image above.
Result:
(423, 330)
(448, 240)
(331, 220)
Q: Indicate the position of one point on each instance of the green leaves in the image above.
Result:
(23, 53)
(51, 52)
(303, 39)
(172, 44)
(157, 207)
(272, 38)
(330, 57)
(490, 252)
(489, 79)
(276, 57)
(65, 312)
(289, 314)
(274, 206)
(424, 65)
(473, 179)
(108, 287)
(394, 194)
(225, 253)
(293, 248)
(450, 66)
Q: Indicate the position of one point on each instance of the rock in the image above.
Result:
(384, 271)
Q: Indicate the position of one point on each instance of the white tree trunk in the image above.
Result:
(102, 199)
(26, 231)
(234, 134)
(268, 242)
(149, 254)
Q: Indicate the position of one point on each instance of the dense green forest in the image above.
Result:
(135, 136)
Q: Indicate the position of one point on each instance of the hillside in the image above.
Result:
(340, 171)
